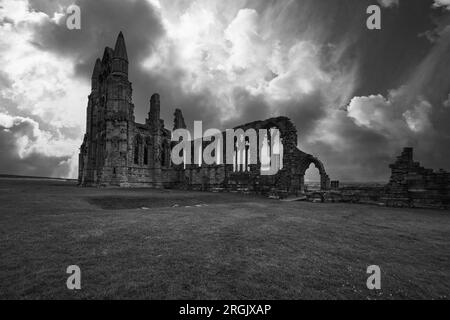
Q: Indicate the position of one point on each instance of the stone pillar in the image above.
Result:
(178, 122)
(155, 110)
(324, 182)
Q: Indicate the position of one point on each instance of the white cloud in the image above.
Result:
(418, 119)
(374, 112)
(392, 116)
(17, 11)
(298, 69)
(41, 85)
(155, 3)
(243, 35)
(223, 47)
(442, 3)
(31, 139)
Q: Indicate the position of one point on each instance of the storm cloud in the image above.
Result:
(356, 96)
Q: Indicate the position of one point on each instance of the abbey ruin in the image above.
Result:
(117, 151)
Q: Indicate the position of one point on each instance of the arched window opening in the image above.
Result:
(164, 155)
(312, 178)
(137, 149)
(145, 155)
(136, 153)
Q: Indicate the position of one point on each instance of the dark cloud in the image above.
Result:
(388, 56)
(36, 164)
(399, 54)
(141, 24)
(360, 154)
(195, 106)
(33, 163)
(101, 22)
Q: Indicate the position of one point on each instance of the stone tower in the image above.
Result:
(119, 115)
(178, 122)
(105, 152)
(154, 124)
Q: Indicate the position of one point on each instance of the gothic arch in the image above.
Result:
(324, 178)
(137, 146)
(147, 148)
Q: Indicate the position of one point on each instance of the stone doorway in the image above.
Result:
(324, 178)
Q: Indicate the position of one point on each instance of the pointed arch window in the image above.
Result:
(137, 149)
(145, 154)
(165, 155)
(136, 153)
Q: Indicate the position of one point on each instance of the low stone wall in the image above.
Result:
(410, 185)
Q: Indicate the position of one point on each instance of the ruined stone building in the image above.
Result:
(412, 185)
(117, 151)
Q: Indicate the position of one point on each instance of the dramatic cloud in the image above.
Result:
(390, 116)
(37, 87)
(32, 151)
(234, 56)
(356, 96)
(47, 68)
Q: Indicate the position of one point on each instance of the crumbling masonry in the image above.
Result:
(117, 151)
(411, 185)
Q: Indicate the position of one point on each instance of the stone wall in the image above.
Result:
(412, 185)
(288, 180)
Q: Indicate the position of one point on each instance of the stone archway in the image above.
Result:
(324, 178)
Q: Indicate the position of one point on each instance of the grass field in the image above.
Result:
(160, 244)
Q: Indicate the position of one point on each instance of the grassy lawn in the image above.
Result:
(161, 244)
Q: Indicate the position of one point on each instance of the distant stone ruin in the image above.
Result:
(412, 185)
